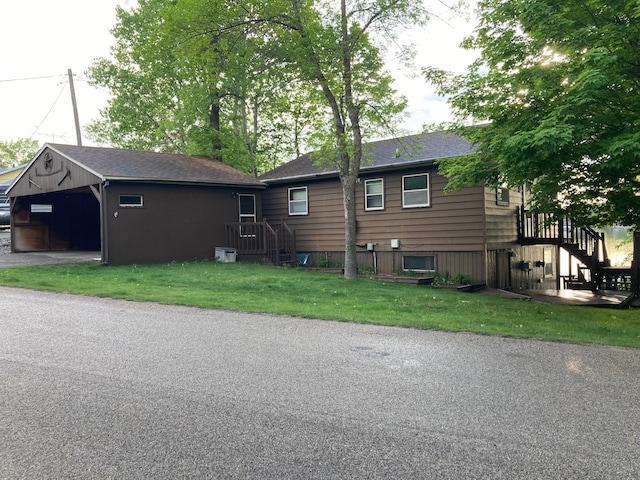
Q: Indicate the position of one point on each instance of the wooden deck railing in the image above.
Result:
(286, 241)
(538, 226)
(274, 242)
(251, 238)
(584, 242)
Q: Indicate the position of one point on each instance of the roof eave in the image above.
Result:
(165, 181)
(364, 169)
(76, 162)
(24, 171)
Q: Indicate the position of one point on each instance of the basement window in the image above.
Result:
(419, 263)
(131, 201)
(41, 208)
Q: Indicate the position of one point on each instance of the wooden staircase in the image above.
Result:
(586, 245)
(262, 241)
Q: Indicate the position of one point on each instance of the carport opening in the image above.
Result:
(67, 220)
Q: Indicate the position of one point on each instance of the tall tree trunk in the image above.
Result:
(350, 233)
(214, 123)
(350, 167)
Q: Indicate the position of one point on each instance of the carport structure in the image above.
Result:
(132, 206)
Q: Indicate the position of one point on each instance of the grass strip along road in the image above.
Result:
(311, 294)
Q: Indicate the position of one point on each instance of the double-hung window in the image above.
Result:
(247, 208)
(415, 191)
(247, 214)
(374, 194)
(298, 203)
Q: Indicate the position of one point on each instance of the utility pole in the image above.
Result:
(75, 108)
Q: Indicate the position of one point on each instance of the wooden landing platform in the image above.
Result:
(580, 297)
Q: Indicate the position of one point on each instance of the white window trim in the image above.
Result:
(366, 195)
(252, 216)
(41, 208)
(131, 205)
(428, 190)
(306, 201)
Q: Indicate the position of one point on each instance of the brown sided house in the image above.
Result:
(131, 206)
(144, 207)
(405, 222)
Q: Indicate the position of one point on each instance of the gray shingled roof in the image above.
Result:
(116, 163)
(389, 154)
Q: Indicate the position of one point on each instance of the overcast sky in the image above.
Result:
(42, 39)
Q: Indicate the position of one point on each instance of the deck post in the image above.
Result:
(635, 265)
(558, 268)
(520, 222)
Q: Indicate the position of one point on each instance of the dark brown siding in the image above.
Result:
(176, 223)
(51, 172)
(453, 222)
(323, 228)
(452, 227)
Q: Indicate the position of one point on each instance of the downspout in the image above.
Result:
(375, 263)
(104, 237)
(485, 246)
(12, 230)
(559, 285)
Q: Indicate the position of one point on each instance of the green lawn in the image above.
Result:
(304, 293)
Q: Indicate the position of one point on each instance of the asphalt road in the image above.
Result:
(96, 388)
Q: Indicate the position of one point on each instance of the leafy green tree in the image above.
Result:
(191, 76)
(557, 84)
(145, 109)
(247, 81)
(17, 152)
(332, 48)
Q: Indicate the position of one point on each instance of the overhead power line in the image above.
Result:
(69, 81)
(28, 78)
(54, 104)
